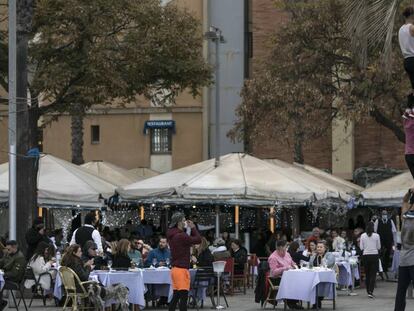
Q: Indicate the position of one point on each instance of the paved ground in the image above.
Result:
(384, 301)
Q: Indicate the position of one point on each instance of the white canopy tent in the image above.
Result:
(240, 179)
(63, 184)
(389, 192)
(112, 173)
(144, 172)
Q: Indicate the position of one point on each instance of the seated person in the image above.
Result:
(144, 249)
(297, 256)
(322, 256)
(158, 256)
(90, 252)
(310, 250)
(201, 255)
(121, 259)
(42, 266)
(220, 252)
(239, 253)
(280, 261)
(72, 259)
(14, 266)
(134, 253)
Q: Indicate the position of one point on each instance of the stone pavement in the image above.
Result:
(384, 301)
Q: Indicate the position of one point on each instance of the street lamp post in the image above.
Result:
(214, 34)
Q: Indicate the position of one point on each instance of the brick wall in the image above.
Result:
(375, 145)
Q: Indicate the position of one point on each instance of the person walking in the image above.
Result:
(370, 245)
(387, 231)
(180, 245)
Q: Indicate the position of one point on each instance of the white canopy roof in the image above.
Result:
(389, 192)
(112, 173)
(239, 178)
(144, 172)
(61, 183)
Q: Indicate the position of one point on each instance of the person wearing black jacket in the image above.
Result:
(239, 253)
(296, 256)
(202, 256)
(121, 259)
(89, 252)
(34, 236)
(72, 260)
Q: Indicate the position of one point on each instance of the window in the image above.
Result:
(95, 137)
(161, 140)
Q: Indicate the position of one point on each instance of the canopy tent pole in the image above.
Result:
(236, 220)
(217, 221)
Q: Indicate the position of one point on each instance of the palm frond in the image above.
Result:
(370, 23)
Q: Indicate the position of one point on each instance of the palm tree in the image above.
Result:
(370, 23)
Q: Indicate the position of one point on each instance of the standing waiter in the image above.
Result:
(387, 231)
(180, 243)
(88, 233)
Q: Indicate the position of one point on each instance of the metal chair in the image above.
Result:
(29, 275)
(70, 279)
(14, 286)
(204, 280)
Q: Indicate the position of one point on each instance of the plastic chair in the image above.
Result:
(70, 279)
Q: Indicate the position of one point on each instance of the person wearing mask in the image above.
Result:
(181, 243)
(239, 253)
(311, 249)
(370, 245)
(280, 261)
(160, 255)
(13, 265)
(134, 253)
(202, 256)
(121, 258)
(387, 231)
(297, 257)
(42, 263)
(88, 232)
(35, 235)
(89, 252)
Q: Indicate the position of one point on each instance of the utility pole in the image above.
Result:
(12, 119)
(214, 34)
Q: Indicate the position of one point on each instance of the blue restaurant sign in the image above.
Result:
(159, 124)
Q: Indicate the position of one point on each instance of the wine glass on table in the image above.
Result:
(154, 262)
(110, 265)
(167, 262)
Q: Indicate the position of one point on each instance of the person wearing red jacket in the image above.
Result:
(180, 244)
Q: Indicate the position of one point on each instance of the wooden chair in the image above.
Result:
(235, 278)
(273, 284)
(70, 279)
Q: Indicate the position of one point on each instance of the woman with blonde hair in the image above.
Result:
(121, 258)
(202, 255)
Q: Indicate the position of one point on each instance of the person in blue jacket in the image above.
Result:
(159, 256)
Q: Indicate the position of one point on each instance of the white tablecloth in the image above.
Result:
(305, 285)
(1, 281)
(132, 280)
(347, 273)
